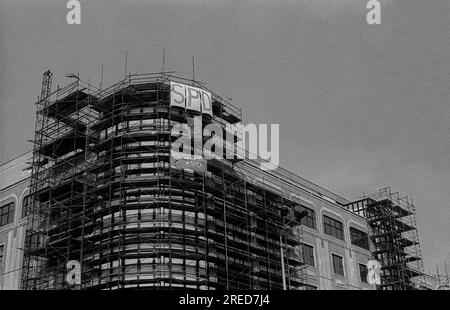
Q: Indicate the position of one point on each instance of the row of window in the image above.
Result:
(337, 261)
(7, 211)
(136, 125)
(331, 226)
(335, 228)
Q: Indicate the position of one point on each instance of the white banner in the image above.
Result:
(190, 98)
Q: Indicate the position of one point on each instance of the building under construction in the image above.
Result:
(106, 194)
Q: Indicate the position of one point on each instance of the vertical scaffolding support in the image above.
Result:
(31, 261)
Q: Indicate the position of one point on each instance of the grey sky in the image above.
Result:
(360, 107)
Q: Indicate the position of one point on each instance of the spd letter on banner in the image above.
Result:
(177, 95)
(193, 98)
(206, 103)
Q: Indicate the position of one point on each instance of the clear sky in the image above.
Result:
(360, 107)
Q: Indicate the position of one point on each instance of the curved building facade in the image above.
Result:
(113, 210)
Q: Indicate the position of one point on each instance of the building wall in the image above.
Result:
(13, 188)
(321, 275)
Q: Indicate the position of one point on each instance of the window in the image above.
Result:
(2, 250)
(359, 238)
(363, 270)
(338, 265)
(7, 214)
(26, 204)
(310, 219)
(333, 227)
(308, 254)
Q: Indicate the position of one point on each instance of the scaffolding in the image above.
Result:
(394, 238)
(106, 194)
(58, 180)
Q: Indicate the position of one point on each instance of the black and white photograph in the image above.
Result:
(228, 151)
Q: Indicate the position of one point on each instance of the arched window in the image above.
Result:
(333, 227)
(7, 213)
(359, 238)
(310, 219)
